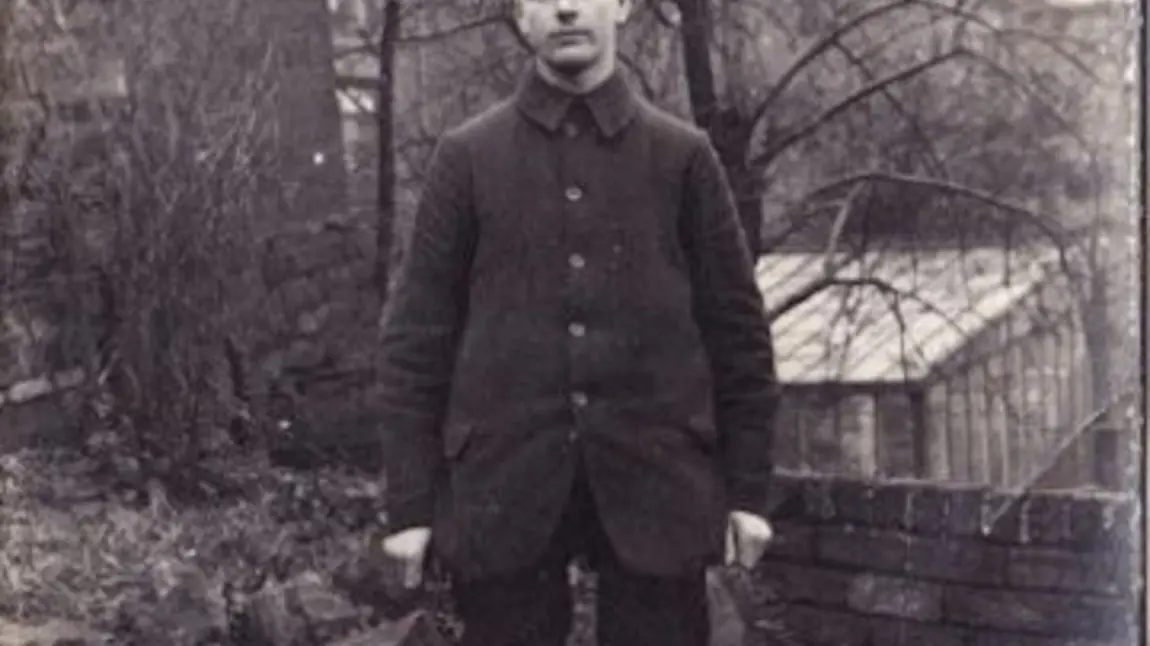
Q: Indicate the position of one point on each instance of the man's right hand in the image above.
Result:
(407, 550)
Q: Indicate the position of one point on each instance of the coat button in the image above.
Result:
(577, 261)
(574, 194)
(579, 399)
(577, 329)
(570, 130)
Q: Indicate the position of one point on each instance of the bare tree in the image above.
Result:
(962, 109)
(866, 125)
(385, 126)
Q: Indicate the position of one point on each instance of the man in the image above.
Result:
(576, 358)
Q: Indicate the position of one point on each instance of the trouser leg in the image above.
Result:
(532, 607)
(641, 610)
(636, 609)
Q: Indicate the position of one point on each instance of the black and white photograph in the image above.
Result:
(573, 323)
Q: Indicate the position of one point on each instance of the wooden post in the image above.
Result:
(1109, 471)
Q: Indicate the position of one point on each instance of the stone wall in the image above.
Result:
(311, 178)
(912, 563)
(306, 350)
(315, 361)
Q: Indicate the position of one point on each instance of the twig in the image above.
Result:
(644, 82)
(919, 132)
(817, 286)
(659, 8)
(839, 225)
(817, 49)
(1049, 40)
(1057, 233)
(766, 157)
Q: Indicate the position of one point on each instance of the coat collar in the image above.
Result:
(612, 104)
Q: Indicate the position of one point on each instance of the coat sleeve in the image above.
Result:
(419, 332)
(731, 316)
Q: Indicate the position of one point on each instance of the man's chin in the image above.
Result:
(568, 65)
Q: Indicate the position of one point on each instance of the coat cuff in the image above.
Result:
(749, 497)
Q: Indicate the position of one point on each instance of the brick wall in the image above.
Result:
(895, 563)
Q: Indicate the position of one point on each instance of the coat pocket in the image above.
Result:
(456, 437)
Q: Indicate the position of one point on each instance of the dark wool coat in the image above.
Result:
(576, 292)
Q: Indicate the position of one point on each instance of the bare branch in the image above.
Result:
(644, 82)
(839, 225)
(817, 48)
(937, 167)
(773, 151)
(354, 97)
(1054, 230)
(366, 47)
(1053, 42)
(767, 10)
(827, 282)
(831, 39)
(345, 82)
(661, 10)
(370, 43)
(455, 30)
(520, 37)
(1062, 238)
(1073, 130)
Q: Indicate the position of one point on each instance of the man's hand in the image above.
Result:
(407, 550)
(747, 538)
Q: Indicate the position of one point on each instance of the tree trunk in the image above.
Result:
(385, 108)
(9, 155)
(729, 131)
(731, 135)
(697, 61)
(751, 215)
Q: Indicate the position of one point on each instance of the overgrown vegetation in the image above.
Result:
(145, 570)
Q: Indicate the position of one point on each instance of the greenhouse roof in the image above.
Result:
(852, 333)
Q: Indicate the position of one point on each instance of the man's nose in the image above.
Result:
(566, 11)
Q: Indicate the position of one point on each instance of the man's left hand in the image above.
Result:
(748, 536)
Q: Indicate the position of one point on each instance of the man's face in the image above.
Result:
(572, 35)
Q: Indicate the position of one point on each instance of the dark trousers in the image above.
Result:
(533, 607)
